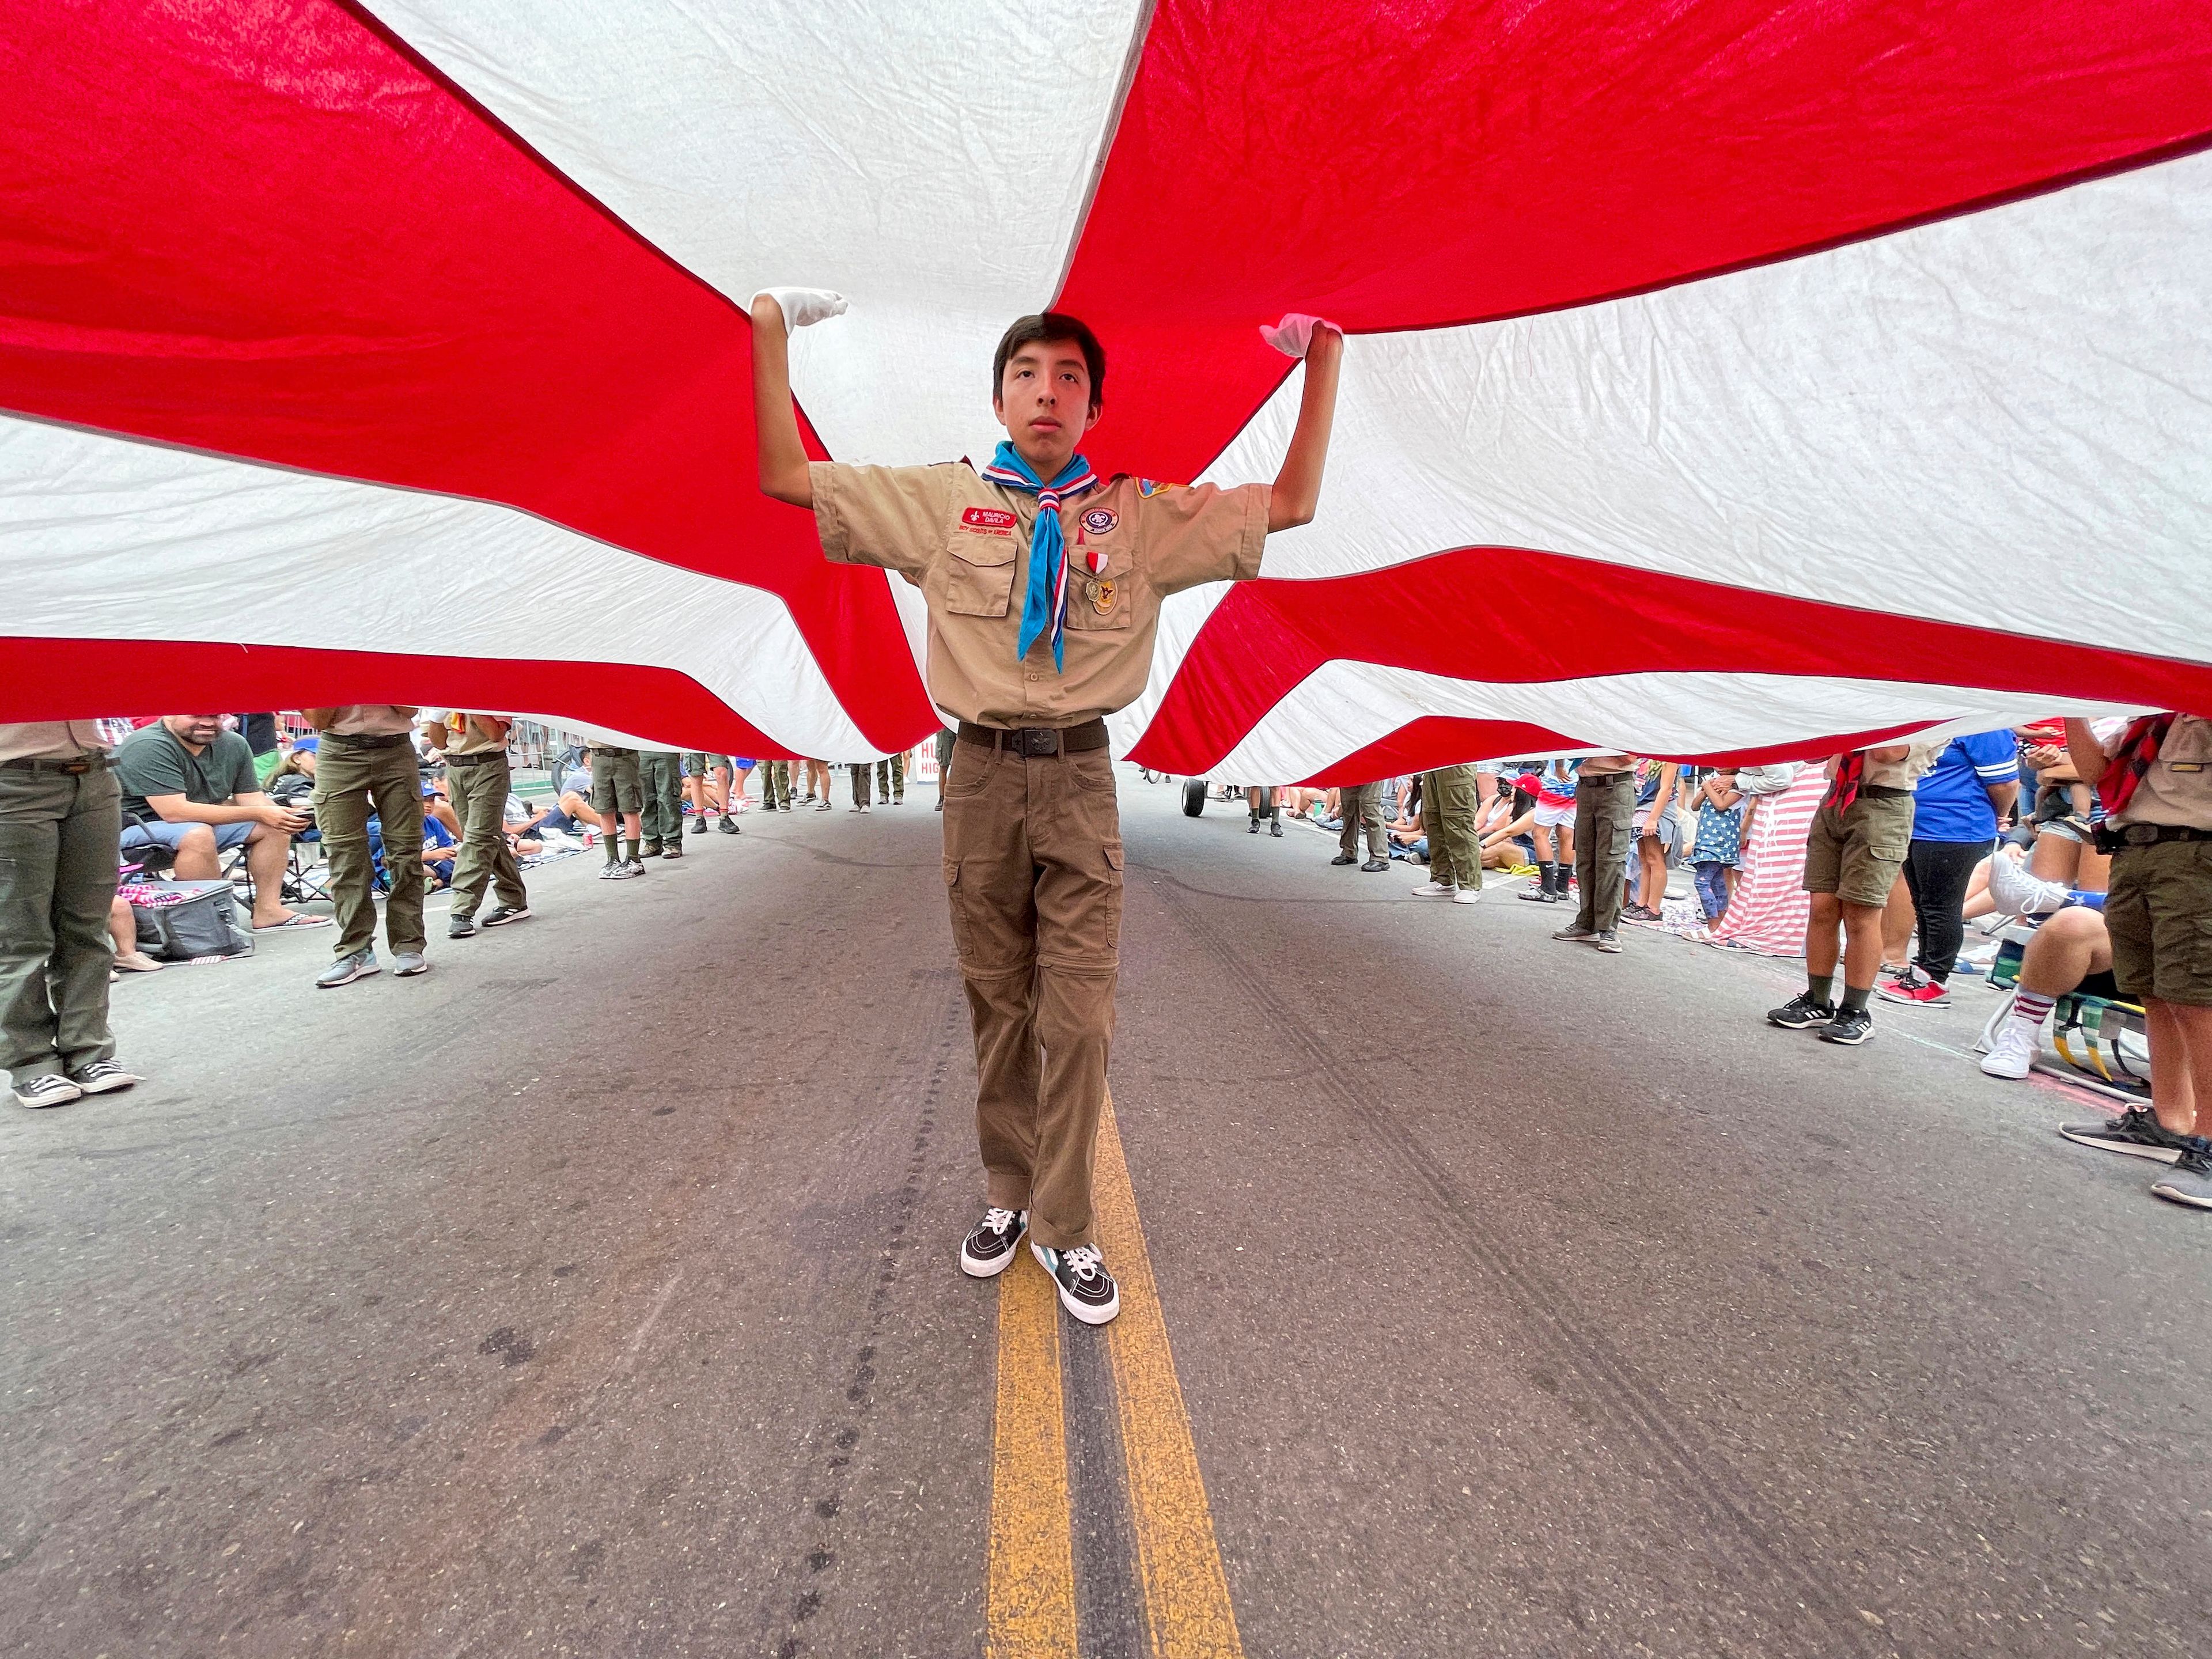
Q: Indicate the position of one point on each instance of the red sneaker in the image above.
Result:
(1910, 987)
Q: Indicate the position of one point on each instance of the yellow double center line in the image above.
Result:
(1029, 1586)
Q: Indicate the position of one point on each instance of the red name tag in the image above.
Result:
(989, 521)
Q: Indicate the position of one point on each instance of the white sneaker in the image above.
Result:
(2017, 893)
(1467, 895)
(2013, 1053)
(1443, 890)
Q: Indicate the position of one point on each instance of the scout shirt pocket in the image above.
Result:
(1102, 600)
(979, 576)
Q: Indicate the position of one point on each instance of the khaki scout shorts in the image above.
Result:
(2159, 915)
(614, 780)
(1857, 854)
(699, 765)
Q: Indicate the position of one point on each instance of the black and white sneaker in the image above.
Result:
(500, 916)
(51, 1089)
(2190, 1181)
(1086, 1288)
(1850, 1025)
(988, 1250)
(103, 1077)
(2136, 1132)
(1801, 1012)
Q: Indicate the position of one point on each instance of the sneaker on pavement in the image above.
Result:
(1913, 986)
(822, 807)
(1253, 828)
(51, 1089)
(1467, 895)
(1801, 1012)
(2136, 1132)
(2190, 1181)
(2012, 1053)
(1344, 858)
(1443, 890)
(635, 867)
(1275, 828)
(461, 926)
(699, 826)
(103, 1077)
(620, 870)
(652, 847)
(500, 916)
(1851, 1026)
(608, 871)
(1538, 895)
(405, 965)
(346, 970)
(1573, 935)
(1086, 1288)
(672, 851)
(1374, 866)
(1609, 941)
(728, 826)
(990, 1250)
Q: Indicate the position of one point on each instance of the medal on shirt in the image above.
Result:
(1097, 587)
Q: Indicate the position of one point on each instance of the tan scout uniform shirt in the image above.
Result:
(465, 739)
(965, 542)
(371, 720)
(1902, 774)
(2177, 787)
(61, 740)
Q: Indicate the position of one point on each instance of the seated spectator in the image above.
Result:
(292, 782)
(189, 785)
(123, 927)
(2070, 952)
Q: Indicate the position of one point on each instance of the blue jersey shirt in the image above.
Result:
(1951, 802)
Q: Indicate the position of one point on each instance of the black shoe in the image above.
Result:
(1344, 858)
(103, 1077)
(2136, 1132)
(1253, 827)
(699, 826)
(1275, 828)
(461, 927)
(500, 916)
(1850, 1025)
(988, 1250)
(1801, 1012)
(1375, 866)
(728, 826)
(1086, 1288)
(2188, 1183)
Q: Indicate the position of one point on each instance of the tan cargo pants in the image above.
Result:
(1033, 870)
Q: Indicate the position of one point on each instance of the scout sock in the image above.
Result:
(2031, 1008)
(1855, 999)
(636, 846)
(1820, 988)
(613, 844)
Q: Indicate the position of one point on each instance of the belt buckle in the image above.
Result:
(1038, 741)
(2140, 835)
(76, 767)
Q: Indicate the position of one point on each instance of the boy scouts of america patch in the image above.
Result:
(1152, 486)
(1100, 520)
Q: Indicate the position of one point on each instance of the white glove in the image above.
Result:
(802, 306)
(1294, 333)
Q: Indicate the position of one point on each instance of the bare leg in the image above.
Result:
(2065, 951)
(1862, 945)
(1822, 946)
(123, 927)
(266, 850)
(1897, 920)
(2180, 1061)
(196, 855)
(2055, 858)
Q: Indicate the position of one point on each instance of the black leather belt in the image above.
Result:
(1605, 777)
(2149, 834)
(366, 739)
(1882, 791)
(1037, 741)
(82, 764)
(477, 759)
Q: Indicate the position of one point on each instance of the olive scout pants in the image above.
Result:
(890, 777)
(479, 791)
(348, 776)
(1448, 814)
(1033, 870)
(57, 834)
(661, 779)
(1605, 820)
(1363, 810)
(775, 784)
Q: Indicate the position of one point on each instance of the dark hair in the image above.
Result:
(1050, 326)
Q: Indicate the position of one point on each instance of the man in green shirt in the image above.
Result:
(190, 786)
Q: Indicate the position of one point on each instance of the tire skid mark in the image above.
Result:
(1633, 1403)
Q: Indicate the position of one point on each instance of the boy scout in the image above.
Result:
(367, 755)
(2155, 782)
(1044, 585)
(1857, 845)
(615, 798)
(660, 782)
(475, 748)
(707, 778)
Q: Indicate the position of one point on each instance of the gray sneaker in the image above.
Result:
(1609, 941)
(2190, 1181)
(346, 970)
(407, 963)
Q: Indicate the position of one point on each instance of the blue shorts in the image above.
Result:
(159, 832)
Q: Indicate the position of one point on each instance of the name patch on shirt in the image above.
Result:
(1099, 520)
(988, 521)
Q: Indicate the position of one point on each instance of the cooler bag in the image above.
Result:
(180, 921)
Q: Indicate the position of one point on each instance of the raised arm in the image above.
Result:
(1298, 486)
(776, 419)
(2087, 753)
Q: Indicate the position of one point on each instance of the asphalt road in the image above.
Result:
(596, 1294)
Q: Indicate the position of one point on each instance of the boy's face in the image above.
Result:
(1044, 404)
